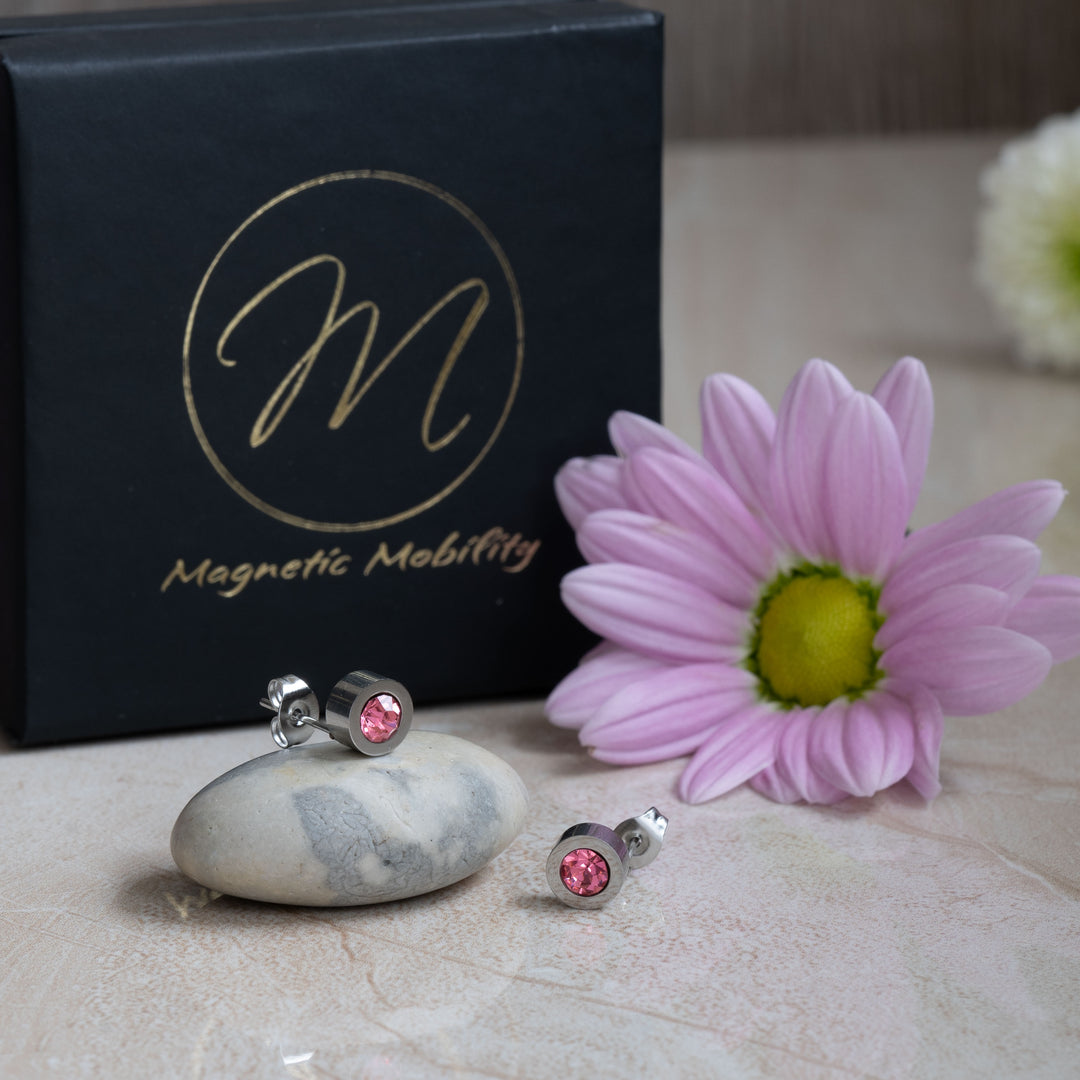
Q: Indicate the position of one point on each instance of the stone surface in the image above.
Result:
(325, 826)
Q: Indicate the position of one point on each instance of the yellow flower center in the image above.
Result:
(814, 638)
(1069, 252)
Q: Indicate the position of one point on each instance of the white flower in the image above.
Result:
(1029, 241)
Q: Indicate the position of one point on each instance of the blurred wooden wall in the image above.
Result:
(840, 67)
(816, 67)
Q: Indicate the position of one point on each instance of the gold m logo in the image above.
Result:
(360, 321)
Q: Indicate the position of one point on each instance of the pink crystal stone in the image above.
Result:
(584, 872)
(380, 717)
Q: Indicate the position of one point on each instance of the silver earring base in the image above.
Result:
(643, 836)
(297, 709)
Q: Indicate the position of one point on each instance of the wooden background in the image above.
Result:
(790, 67)
(835, 67)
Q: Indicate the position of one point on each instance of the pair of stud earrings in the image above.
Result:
(372, 714)
(365, 712)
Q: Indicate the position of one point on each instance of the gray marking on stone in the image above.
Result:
(481, 805)
(342, 831)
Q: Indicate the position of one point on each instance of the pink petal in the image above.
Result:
(1007, 563)
(583, 485)
(773, 786)
(970, 670)
(1050, 613)
(929, 724)
(691, 495)
(792, 774)
(906, 395)
(630, 537)
(601, 674)
(738, 427)
(655, 614)
(949, 606)
(744, 745)
(864, 487)
(667, 714)
(630, 432)
(1022, 510)
(863, 746)
(795, 468)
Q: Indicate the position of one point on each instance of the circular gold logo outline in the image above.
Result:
(511, 281)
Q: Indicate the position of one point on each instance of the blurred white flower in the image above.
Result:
(1029, 241)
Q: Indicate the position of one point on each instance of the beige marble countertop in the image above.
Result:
(878, 938)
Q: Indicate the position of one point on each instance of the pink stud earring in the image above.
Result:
(364, 712)
(590, 862)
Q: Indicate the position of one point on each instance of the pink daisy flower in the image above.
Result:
(765, 610)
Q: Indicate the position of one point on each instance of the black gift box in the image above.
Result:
(302, 308)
